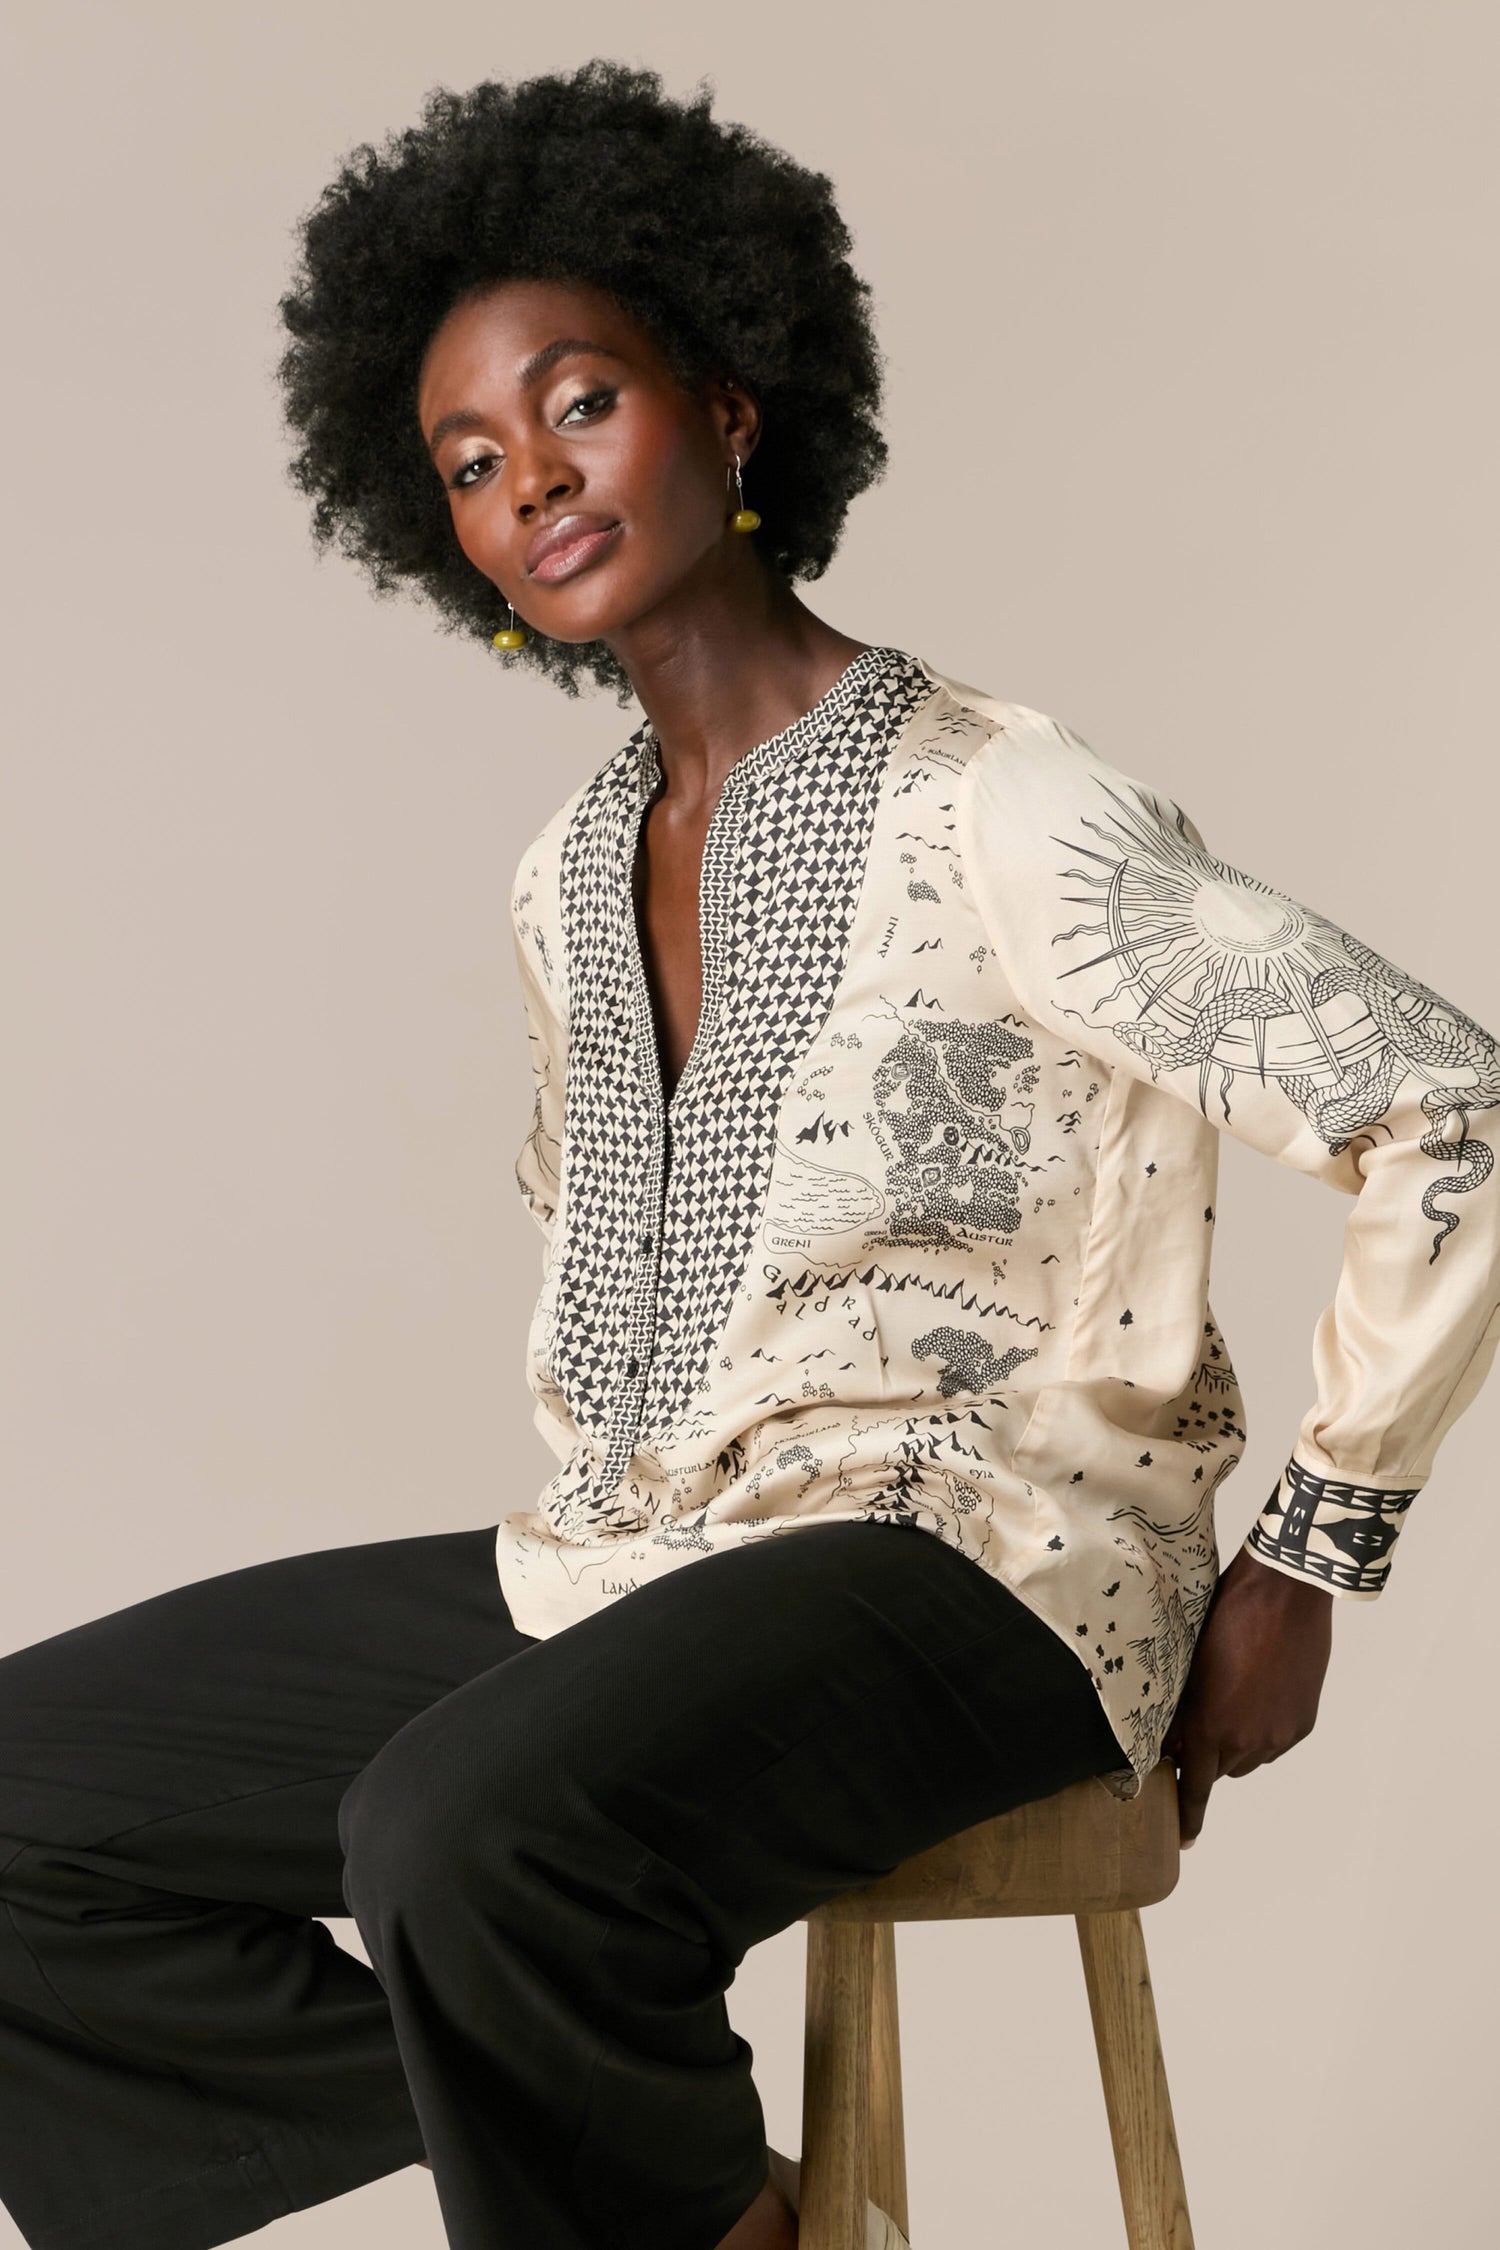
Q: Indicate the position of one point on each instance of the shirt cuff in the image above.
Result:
(1327, 1528)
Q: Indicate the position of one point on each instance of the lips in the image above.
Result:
(568, 545)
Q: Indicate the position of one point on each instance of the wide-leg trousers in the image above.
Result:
(556, 1851)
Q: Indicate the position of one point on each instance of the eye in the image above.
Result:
(595, 401)
(461, 481)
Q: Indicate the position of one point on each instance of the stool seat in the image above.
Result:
(1084, 1852)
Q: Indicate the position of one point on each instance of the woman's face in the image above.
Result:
(583, 480)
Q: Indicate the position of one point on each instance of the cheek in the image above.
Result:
(469, 528)
(665, 484)
(480, 524)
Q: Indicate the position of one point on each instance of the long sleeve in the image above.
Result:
(538, 1165)
(1118, 930)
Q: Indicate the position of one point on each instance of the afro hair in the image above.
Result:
(733, 258)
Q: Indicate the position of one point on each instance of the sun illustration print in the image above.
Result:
(1228, 974)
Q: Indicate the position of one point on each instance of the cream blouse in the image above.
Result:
(923, 1232)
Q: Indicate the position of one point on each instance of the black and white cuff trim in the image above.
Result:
(1325, 1528)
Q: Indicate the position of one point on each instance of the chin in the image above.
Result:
(575, 631)
(581, 615)
(591, 620)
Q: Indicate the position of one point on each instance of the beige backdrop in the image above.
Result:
(1194, 350)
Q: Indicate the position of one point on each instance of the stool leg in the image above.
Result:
(831, 2189)
(1135, 2081)
(887, 2123)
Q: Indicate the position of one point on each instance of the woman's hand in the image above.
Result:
(1253, 1686)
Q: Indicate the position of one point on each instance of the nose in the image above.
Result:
(530, 506)
(536, 481)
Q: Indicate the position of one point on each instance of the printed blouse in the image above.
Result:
(922, 1233)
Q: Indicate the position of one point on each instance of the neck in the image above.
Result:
(725, 664)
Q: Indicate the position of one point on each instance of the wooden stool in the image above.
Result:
(1083, 1852)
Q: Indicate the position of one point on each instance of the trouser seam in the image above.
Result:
(35, 1959)
(35, 1844)
(98, 2211)
(211, 1804)
(588, 2091)
(183, 2078)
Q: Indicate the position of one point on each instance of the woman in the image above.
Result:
(882, 1034)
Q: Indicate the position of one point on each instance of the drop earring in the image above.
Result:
(512, 635)
(743, 519)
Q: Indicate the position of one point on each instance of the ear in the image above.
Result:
(736, 415)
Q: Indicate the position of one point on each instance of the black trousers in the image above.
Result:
(556, 1852)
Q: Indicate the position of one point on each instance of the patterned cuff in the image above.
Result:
(1326, 1528)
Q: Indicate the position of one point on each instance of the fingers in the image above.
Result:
(1200, 1762)
(1198, 1772)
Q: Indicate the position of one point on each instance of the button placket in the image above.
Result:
(718, 853)
(644, 1297)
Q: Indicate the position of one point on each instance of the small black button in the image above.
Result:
(632, 1367)
(647, 1240)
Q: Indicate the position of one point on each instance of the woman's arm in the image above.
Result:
(1123, 934)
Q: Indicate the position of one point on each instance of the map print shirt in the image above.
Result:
(923, 1232)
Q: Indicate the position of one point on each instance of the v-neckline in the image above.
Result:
(666, 1098)
(638, 871)
(829, 710)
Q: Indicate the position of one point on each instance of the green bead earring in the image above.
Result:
(512, 635)
(743, 519)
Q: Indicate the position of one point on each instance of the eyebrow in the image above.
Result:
(529, 373)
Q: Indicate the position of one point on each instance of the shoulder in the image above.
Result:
(537, 871)
(1043, 821)
(1011, 743)
(536, 892)
(537, 866)
(1033, 767)
(1016, 735)
(995, 708)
